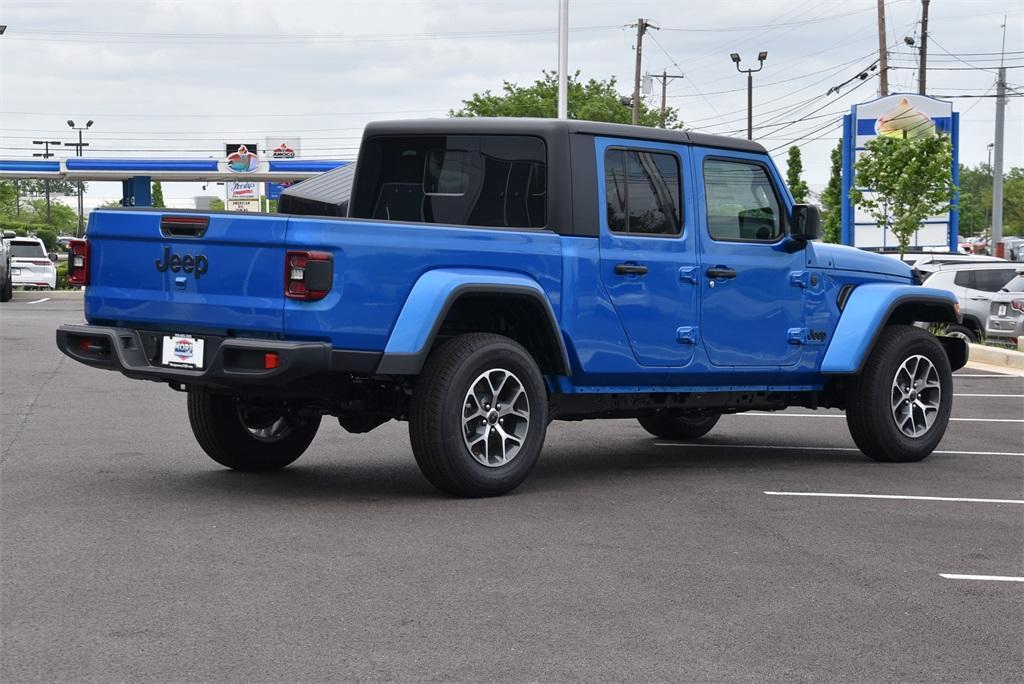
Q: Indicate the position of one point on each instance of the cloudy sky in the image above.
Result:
(180, 77)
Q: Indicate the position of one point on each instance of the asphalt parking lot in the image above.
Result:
(128, 554)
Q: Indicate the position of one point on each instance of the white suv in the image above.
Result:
(974, 284)
(30, 266)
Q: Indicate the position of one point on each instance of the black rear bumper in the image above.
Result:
(230, 362)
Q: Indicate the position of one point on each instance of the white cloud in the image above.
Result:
(227, 70)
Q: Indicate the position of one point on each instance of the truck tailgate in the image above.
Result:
(163, 268)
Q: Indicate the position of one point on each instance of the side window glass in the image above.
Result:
(615, 189)
(741, 204)
(963, 279)
(642, 192)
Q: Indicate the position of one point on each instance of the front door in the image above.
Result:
(752, 301)
(648, 248)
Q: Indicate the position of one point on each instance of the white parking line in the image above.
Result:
(775, 414)
(902, 497)
(984, 375)
(40, 301)
(984, 578)
(994, 396)
(823, 448)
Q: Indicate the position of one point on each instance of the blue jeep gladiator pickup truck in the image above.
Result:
(492, 275)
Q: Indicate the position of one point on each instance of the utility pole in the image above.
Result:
(46, 154)
(78, 153)
(997, 165)
(922, 73)
(665, 77)
(761, 56)
(641, 28)
(563, 59)
(883, 53)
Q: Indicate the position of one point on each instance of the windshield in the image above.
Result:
(1015, 285)
(28, 250)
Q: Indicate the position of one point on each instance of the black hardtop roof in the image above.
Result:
(549, 127)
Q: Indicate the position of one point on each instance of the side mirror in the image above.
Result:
(8, 234)
(805, 223)
(53, 256)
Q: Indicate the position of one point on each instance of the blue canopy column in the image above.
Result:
(135, 192)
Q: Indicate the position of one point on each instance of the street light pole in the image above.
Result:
(46, 154)
(78, 153)
(761, 56)
(563, 59)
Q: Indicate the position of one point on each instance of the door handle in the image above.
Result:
(630, 269)
(720, 272)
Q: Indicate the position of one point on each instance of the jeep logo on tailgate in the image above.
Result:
(187, 263)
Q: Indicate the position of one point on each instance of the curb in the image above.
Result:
(994, 356)
(32, 295)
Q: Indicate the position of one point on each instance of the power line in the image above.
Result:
(804, 22)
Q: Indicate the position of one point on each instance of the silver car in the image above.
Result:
(1006, 315)
(974, 284)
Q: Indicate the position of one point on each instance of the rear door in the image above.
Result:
(751, 307)
(187, 272)
(648, 255)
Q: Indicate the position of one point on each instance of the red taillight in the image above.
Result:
(78, 262)
(1018, 304)
(307, 275)
(271, 360)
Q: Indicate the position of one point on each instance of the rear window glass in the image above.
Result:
(28, 250)
(1015, 285)
(473, 180)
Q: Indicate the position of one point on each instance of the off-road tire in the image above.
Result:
(218, 427)
(436, 416)
(679, 425)
(870, 396)
(7, 291)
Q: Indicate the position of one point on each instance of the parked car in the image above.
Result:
(6, 285)
(30, 265)
(492, 275)
(973, 283)
(1006, 317)
(931, 262)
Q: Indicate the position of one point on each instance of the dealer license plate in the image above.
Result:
(182, 351)
(1002, 309)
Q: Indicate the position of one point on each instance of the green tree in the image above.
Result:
(63, 218)
(1013, 202)
(592, 100)
(975, 205)
(36, 187)
(832, 198)
(911, 178)
(217, 204)
(794, 169)
(158, 195)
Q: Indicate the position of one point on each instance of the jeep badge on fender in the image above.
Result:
(187, 263)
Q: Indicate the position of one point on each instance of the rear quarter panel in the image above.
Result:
(376, 264)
